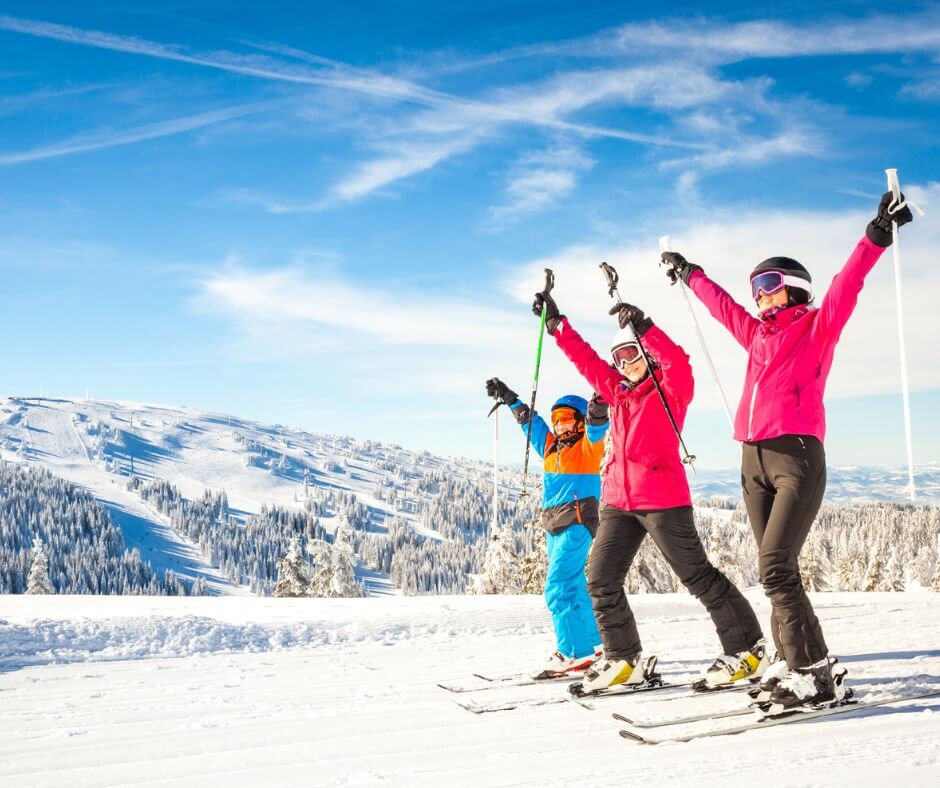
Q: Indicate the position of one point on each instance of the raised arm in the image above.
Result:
(597, 423)
(597, 372)
(540, 431)
(603, 379)
(673, 362)
(504, 395)
(741, 323)
(842, 296)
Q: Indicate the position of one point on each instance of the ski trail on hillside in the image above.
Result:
(53, 440)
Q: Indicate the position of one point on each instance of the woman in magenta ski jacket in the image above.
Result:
(781, 423)
(644, 491)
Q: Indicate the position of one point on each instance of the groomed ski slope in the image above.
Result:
(137, 691)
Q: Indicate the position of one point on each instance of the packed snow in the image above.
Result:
(147, 691)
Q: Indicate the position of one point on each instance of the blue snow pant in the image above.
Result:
(566, 593)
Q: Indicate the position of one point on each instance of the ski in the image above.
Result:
(620, 690)
(641, 723)
(517, 680)
(486, 708)
(581, 699)
(845, 706)
(722, 689)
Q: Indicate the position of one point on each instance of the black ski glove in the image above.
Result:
(598, 412)
(879, 229)
(552, 316)
(496, 389)
(677, 267)
(627, 314)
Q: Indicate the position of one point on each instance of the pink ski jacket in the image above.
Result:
(642, 469)
(790, 352)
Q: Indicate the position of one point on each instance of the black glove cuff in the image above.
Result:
(878, 234)
(643, 326)
(687, 270)
(520, 414)
(552, 323)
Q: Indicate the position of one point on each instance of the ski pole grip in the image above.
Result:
(549, 280)
(612, 277)
(894, 185)
(664, 244)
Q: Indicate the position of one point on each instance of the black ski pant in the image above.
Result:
(784, 480)
(618, 539)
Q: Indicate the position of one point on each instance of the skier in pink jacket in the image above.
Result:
(644, 490)
(781, 423)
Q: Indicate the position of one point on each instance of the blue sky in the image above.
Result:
(335, 216)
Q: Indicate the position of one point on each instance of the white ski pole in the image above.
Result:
(665, 247)
(496, 475)
(894, 187)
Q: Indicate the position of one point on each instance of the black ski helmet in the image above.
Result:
(789, 267)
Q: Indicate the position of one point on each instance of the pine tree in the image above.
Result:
(38, 581)
(333, 573)
(935, 583)
(533, 570)
(500, 573)
(874, 577)
(293, 574)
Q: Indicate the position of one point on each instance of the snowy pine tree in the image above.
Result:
(293, 574)
(333, 572)
(533, 569)
(38, 581)
(501, 566)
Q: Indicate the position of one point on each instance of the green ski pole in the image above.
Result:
(549, 284)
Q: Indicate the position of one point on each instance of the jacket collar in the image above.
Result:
(784, 318)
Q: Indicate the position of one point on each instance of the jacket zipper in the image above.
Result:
(750, 415)
(577, 507)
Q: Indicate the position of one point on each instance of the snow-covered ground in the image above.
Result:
(141, 691)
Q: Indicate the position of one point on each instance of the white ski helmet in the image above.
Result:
(624, 336)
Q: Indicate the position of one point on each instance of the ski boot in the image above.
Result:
(559, 666)
(613, 672)
(727, 670)
(774, 674)
(810, 688)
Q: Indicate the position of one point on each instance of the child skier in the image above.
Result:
(781, 424)
(571, 450)
(645, 491)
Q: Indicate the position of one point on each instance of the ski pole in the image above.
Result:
(549, 284)
(612, 280)
(665, 247)
(894, 187)
(496, 474)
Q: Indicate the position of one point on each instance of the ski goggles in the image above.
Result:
(770, 282)
(564, 419)
(563, 416)
(626, 354)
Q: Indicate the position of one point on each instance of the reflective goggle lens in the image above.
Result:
(563, 415)
(626, 354)
(770, 282)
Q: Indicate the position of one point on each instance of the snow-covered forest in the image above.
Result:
(237, 495)
(84, 551)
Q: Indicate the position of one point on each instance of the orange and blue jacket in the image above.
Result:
(571, 485)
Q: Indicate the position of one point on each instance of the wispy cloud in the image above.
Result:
(715, 40)
(409, 159)
(539, 180)
(111, 138)
(303, 296)
(668, 70)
